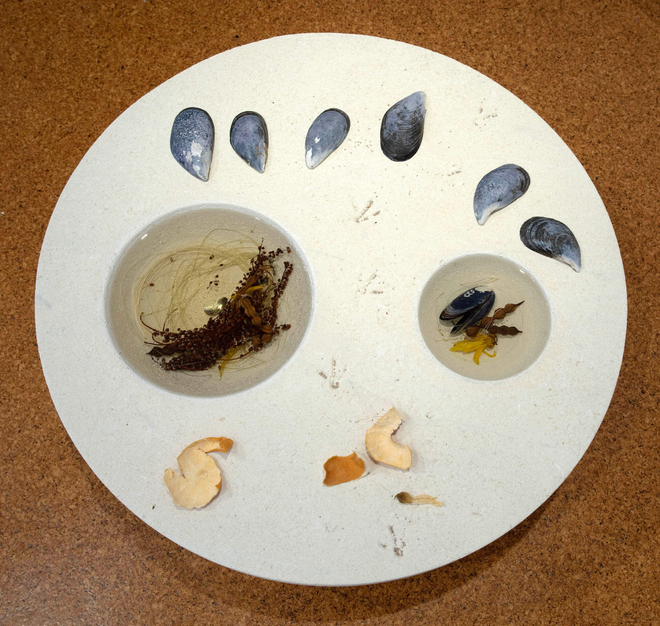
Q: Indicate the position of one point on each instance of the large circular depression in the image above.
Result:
(511, 284)
(187, 261)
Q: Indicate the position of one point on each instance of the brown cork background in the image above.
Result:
(70, 553)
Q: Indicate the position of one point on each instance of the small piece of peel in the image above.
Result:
(200, 479)
(381, 446)
(405, 498)
(342, 469)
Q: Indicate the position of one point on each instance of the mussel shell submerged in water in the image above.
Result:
(325, 135)
(402, 128)
(249, 139)
(216, 307)
(191, 141)
(552, 238)
(498, 189)
(471, 306)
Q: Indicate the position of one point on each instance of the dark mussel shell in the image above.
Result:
(325, 135)
(498, 189)
(191, 141)
(471, 306)
(402, 128)
(552, 238)
(249, 139)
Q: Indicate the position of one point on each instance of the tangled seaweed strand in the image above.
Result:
(499, 314)
(473, 331)
(248, 322)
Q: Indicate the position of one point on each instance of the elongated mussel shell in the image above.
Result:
(325, 135)
(552, 238)
(402, 128)
(499, 189)
(191, 141)
(249, 139)
(471, 306)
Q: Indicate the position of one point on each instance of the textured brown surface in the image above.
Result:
(71, 553)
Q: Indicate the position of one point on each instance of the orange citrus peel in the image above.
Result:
(342, 469)
(381, 446)
(200, 479)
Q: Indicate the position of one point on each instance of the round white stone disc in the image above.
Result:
(373, 233)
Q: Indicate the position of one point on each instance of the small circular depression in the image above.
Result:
(178, 268)
(512, 284)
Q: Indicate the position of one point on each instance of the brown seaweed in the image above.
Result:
(247, 323)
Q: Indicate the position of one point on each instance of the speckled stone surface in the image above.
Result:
(72, 553)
